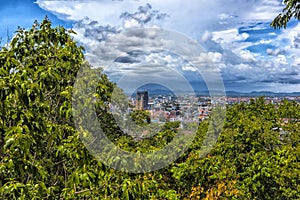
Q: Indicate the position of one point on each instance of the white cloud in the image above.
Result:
(247, 55)
(206, 36)
(264, 41)
(105, 12)
(224, 16)
(229, 36)
(296, 62)
(187, 17)
(131, 23)
(281, 60)
(274, 52)
(266, 10)
(215, 23)
(215, 57)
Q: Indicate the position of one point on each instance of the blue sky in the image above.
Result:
(22, 13)
(235, 36)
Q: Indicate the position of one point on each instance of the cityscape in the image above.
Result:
(168, 107)
(165, 100)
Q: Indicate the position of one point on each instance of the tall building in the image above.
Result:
(142, 100)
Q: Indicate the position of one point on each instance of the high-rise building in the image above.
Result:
(142, 100)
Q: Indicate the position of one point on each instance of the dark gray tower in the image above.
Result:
(142, 100)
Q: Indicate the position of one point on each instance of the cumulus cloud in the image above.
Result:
(296, 62)
(281, 60)
(186, 17)
(94, 31)
(144, 15)
(296, 41)
(235, 35)
(206, 36)
(229, 36)
(274, 52)
(150, 39)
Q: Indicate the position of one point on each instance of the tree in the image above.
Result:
(38, 69)
(292, 9)
(42, 155)
(248, 161)
(140, 117)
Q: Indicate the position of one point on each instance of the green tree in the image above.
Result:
(42, 155)
(140, 117)
(292, 9)
(38, 69)
(249, 161)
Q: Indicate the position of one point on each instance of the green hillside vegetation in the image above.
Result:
(42, 156)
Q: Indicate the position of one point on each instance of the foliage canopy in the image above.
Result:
(292, 9)
(42, 156)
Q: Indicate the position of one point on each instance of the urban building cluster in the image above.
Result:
(170, 108)
(188, 108)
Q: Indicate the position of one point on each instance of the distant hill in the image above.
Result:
(156, 89)
(261, 93)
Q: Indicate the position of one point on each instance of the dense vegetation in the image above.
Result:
(42, 157)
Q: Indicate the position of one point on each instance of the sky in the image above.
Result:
(176, 42)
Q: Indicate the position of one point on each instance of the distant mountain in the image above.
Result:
(156, 89)
(261, 93)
